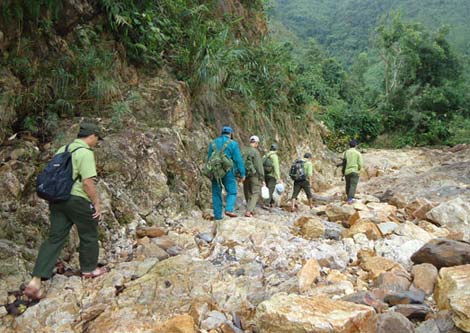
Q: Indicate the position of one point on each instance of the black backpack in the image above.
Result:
(297, 171)
(55, 182)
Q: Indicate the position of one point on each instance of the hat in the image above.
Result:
(87, 129)
(274, 146)
(254, 138)
(353, 143)
(227, 130)
(308, 155)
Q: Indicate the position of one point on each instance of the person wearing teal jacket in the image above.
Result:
(352, 165)
(229, 181)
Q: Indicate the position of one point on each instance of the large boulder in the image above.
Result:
(454, 214)
(310, 227)
(292, 313)
(424, 277)
(443, 253)
(453, 293)
(393, 322)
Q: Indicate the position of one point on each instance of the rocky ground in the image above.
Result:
(397, 260)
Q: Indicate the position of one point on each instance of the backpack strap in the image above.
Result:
(225, 145)
(73, 151)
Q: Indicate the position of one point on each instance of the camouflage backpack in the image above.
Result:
(218, 163)
(268, 164)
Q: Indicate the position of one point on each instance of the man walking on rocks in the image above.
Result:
(302, 178)
(352, 165)
(254, 175)
(82, 209)
(230, 148)
(272, 171)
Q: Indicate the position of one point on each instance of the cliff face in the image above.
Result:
(149, 163)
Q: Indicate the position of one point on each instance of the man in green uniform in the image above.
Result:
(82, 209)
(272, 171)
(352, 164)
(254, 175)
(304, 182)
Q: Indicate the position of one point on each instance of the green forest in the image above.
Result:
(388, 72)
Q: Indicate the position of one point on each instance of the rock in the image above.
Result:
(333, 290)
(440, 322)
(405, 297)
(393, 281)
(292, 313)
(424, 277)
(443, 253)
(387, 228)
(454, 214)
(178, 324)
(409, 229)
(310, 227)
(378, 265)
(150, 250)
(366, 298)
(398, 248)
(433, 230)
(393, 322)
(383, 209)
(336, 212)
(413, 311)
(453, 293)
(214, 320)
(366, 227)
(309, 273)
(150, 232)
(333, 230)
(419, 208)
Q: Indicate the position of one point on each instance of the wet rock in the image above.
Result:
(292, 313)
(424, 277)
(453, 293)
(309, 273)
(443, 253)
(454, 214)
(393, 322)
(310, 227)
(413, 311)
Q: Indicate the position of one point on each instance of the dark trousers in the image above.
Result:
(351, 184)
(271, 185)
(251, 189)
(302, 185)
(64, 215)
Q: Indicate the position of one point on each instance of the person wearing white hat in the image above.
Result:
(254, 175)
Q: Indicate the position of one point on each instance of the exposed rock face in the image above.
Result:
(443, 253)
(454, 214)
(453, 293)
(291, 313)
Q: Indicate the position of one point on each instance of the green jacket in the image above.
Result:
(276, 173)
(354, 161)
(83, 162)
(308, 167)
(253, 154)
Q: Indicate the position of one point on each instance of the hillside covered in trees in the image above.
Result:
(393, 73)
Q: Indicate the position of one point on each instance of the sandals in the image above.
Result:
(33, 293)
(96, 273)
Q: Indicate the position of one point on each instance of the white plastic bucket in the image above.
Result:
(264, 192)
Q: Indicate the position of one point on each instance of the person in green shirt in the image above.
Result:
(352, 164)
(82, 209)
(304, 184)
(254, 175)
(272, 171)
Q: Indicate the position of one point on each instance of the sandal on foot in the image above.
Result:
(97, 272)
(33, 293)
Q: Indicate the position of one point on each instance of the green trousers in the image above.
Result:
(63, 216)
(302, 185)
(252, 190)
(351, 184)
(271, 185)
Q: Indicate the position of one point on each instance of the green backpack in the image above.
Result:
(218, 163)
(249, 164)
(268, 164)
